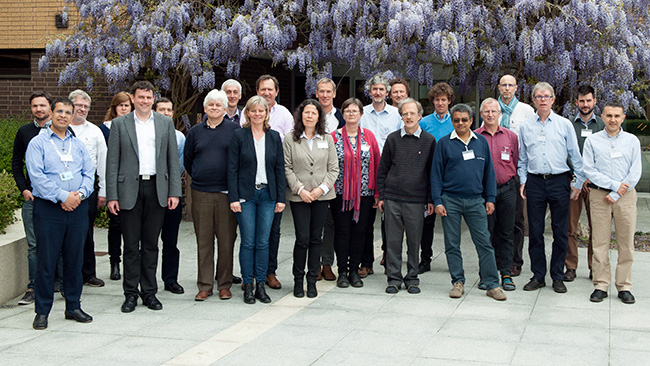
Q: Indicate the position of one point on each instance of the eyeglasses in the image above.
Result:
(490, 112)
(507, 85)
(543, 97)
(81, 106)
(350, 112)
(462, 120)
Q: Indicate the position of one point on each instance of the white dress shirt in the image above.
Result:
(146, 134)
(93, 139)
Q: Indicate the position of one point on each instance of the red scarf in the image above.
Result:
(352, 174)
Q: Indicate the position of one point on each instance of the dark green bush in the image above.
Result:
(8, 129)
(102, 218)
(638, 127)
(10, 200)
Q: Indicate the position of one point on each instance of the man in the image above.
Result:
(513, 114)
(381, 119)
(405, 164)
(463, 184)
(400, 89)
(504, 148)
(171, 222)
(142, 179)
(232, 88)
(93, 139)
(438, 124)
(62, 175)
(613, 166)
(40, 106)
(280, 120)
(325, 93)
(545, 142)
(585, 124)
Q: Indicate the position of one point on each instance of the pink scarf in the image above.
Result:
(352, 175)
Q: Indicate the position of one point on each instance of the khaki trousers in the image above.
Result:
(624, 213)
(575, 208)
(213, 217)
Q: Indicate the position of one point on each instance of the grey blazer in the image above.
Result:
(123, 167)
(310, 168)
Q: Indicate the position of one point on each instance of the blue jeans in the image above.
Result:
(255, 221)
(473, 210)
(28, 224)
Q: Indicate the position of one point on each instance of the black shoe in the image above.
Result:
(392, 289)
(115, 271)
(343, 281)
(28, 298)
(355, 279)
(78, 315)
(597, 296)
(40, 322)
(570, 275)
(236, 280)
(152, 302)
(311, 290)
(94, 282)
(298, 288)
(559, 287)
(175, 288)
(413, 289)
(626, 297)
(533, 285)
(130, 303)
(424, 267)
(249, 298)
(260, 293)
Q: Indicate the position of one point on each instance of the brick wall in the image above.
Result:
(29, 24)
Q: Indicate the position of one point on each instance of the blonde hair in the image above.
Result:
(252, 102)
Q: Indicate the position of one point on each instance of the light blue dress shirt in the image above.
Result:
(180, 142)
(45, 166)
(381, 124)
(544, 148)
(610, 161)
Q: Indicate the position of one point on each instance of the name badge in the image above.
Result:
(585, 133)
(541, 138)
(66, 176)
(365, 147)
(505, 156)
(468, 154)
(322, 144)
(66, 158)
(615, 154)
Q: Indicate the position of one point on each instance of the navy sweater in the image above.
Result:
(454, 176)
(206, 156)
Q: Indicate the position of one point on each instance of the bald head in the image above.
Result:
(507, 88)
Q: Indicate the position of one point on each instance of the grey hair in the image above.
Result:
(410, 100)
(79, 93)
(490, 100)
(217, 96)
(461, 108)
(542, 85)
(377, 79)
(231, 82)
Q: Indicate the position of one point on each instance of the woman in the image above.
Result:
(356, 191)
(256, 190)
(120, 105)
(311, 167)
(206, 161)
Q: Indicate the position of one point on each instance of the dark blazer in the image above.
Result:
(123, 166)
(242, 166)
(339, 116)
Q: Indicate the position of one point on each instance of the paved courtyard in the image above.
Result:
(344, 326)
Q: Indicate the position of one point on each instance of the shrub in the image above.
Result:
(10, 200)
(102, 217)
(638, 127)
(8, 129)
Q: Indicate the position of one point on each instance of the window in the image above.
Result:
(15, 63)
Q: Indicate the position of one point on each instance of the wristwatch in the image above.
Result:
(81, 195)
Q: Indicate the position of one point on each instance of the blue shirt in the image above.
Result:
(381, 124)
(436, 126)
(610, 161)
(544, 148)
(180, 142)
(45, 166)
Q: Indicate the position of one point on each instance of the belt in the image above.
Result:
(591, 185)
(549, 176)
(506, 183)
(261, 186)
(147, 177)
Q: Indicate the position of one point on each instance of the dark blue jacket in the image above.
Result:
(242, 166)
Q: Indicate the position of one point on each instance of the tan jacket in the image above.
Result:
(310, 168)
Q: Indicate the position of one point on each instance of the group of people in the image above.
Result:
(335, 167)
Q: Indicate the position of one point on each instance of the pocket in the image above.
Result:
(120, 179)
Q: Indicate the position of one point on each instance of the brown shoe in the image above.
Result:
(320, 274)
(496, 294)
(515, 270)
(570, 275)
(272, 282)
(202, 295)
(363, 272)
(225, 294)
(328, 275)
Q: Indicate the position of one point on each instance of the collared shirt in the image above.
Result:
(260, 154)
(180, 142)
(93, 139)
(280, 120)
(545, 147)
(454, 135)
(584, 129)
(417, 133)
(146, 135)
(381, 124)
(47, 124)
(331, 122)
(436, 126)
(45, 166)
(237, 118)
(310, 143)
(610, 161)
(504, 148)
(520, 114)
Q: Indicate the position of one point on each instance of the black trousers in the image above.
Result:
(170, 253)
(368, 256)
(350, 236)
(140, 227)
(426, 244)
(520, 228)
(308, 219)
(114, 238)
(501, 225)
(89, 265)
